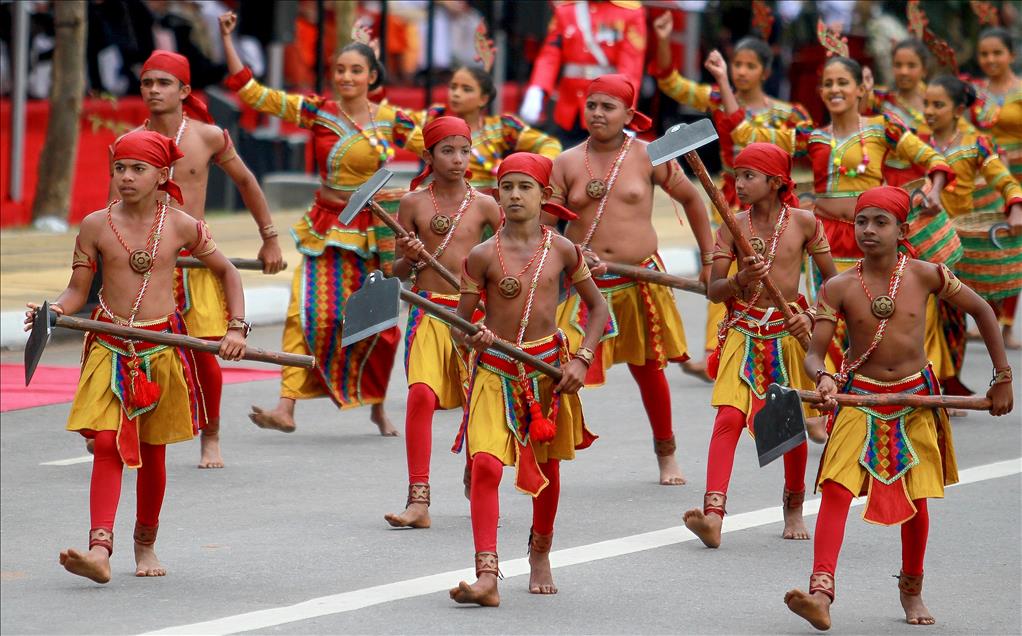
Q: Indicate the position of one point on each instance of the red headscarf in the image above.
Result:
(153, 148)
(619, 86)
(177, 65)
(890, 199)
(538, 167)
(437, 130)
(771, 161)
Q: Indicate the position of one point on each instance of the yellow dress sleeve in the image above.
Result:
(685, 91)
(406, 133)
(291, 107)
(794, 141)
(908, 147)
(524, 138)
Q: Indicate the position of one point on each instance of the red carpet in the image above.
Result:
(53, 385)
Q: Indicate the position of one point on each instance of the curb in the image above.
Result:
(268, 305)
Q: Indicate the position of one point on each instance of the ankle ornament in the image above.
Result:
(418, 494)
(664, 447)
(486, 563)
(793, 500)
(822, 582)
(910, 585)
(539, 543)
(715, 502)
(103, 538)
(145, 535)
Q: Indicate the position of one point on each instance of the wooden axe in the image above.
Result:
(363, 197)
(376, 307)
(239, 263)
(780, 425)
(46, 320)
(684, 139)
(655, 277)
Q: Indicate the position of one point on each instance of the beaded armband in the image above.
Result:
(468, 284)
(581, 271)
(825, 312)
(949, 283)
(818, 244)
(709, 257)
(81, 258)
(719, 253)
(204, 245)
(228, 151)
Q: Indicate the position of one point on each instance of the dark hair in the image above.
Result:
(999, 33)
(914, 45)
(370, 56)
(484, 79)
(760, 48)
(961, 93)
(850, 65)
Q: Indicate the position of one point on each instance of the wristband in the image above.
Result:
(586, 355)
(268, 231)
(823, 372)
(707, 258)
(239, 323)
(1001, 376)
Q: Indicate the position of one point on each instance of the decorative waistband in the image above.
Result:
(447, 300)
(548, 349)
(763, 322)
(170, 323)
(613, 282)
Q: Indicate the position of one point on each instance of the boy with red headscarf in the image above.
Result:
(515, 415)
(896, 456)
(134, 398)
(756, 345)
(178, 114)
(446, 220)
(608, 180)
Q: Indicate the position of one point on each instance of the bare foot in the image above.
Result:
(380, 419)
(817, 428)
(794, 525)
(146, 563)
(210, 444)
(482, 592)
(1010, 341)
(416, 515)
(670, 472)
(957, 412)
(697, 369)
(705, 526)
(278, 419)
(915, 611)
(541, 579)
(90, 445)
(815, 607)
(94, 564)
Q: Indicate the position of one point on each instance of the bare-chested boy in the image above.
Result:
(446, 220)
(897, 456)
(134, 398)
(174, 112)
(515, 416)
(608, 181)
(757, 346)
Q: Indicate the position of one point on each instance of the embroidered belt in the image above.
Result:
(760, 322)
(613, 282)
(547, 349)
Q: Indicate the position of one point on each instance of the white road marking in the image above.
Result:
(85, 459)
(435, 583)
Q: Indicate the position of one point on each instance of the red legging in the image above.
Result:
(422, 402)
(656, 397)
(105, 490)
(211, 379)
(727, 430)
(485, 501)
(830, 531)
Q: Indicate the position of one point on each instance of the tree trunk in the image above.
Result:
(60, 151)
(344, 19)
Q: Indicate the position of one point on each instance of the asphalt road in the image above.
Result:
(290, 537)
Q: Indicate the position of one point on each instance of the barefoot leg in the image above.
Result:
(281, 418)
(94, 564)
(794, 524)
(416, 513)
(670, 472)
(380, 419)
(146, 563)
(483, 592)
(696, 369)
(210, 445)
(90, 446)
(814, 607)
(541, 578)
(706, 526)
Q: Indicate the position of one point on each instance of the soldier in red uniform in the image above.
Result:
(584, 41)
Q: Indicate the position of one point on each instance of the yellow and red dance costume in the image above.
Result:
(1000, 117)
(779, 116)
(836, 163)
(644, 331)
(898, 457)
(497, 137)
(133, 399)
(337, 257)
(756, 352)
(437, 369)
(974, 159)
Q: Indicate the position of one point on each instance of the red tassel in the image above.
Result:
(713, 363)
(541, 429)
(142, 392)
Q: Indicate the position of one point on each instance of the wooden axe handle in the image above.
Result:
(973, 402)
(180, 340)
(742, 243)
(389, 221)
(655, 277)
(239, 263)
(460, 323)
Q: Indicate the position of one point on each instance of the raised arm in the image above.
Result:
(912, 149)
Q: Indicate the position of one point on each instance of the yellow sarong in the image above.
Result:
(431, 355)
(204, 305)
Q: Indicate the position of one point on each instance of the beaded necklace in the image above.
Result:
(510, 286)
(836, 160)
(611, 180)
(376, 140)
(441, 220)
(883, 308)
(141, 260)
(598, 188)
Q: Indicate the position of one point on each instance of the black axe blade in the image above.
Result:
(679, 140)
(363, 195)
(42, 326)
(375, 307)
(780, 425)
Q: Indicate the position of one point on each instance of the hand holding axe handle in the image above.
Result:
(363, 198)
(683, 139)
(655, 277)
(239, 263)
(971, 402)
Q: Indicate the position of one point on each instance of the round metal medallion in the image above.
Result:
(596, 188)
(509, 287)
(882, 307)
